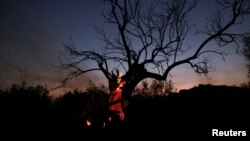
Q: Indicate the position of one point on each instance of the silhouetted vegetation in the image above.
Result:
(150, 40)
(205, 105)
(24, 107)
(200, 108)
(246, 53)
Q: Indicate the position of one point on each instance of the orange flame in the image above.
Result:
(88, 122)
(119, 79)
(116, 96)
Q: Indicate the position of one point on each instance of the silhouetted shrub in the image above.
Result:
(24, 106)
(202, 107)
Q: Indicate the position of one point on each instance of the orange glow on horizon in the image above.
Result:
(182, 80)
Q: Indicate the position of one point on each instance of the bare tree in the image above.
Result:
(1, 82)
(246, 50)
(23, 77)
(169, 87)
(150, 42)
(246, 53)
(145, 87)
(157, 87)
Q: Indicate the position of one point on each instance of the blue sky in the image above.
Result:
(32, 33)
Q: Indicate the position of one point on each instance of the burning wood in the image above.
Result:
(110, 114)
(117, 96)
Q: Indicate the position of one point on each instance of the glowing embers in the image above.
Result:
(88, 122)
(113, 115)
(116, 101)
(95, 124)
(110, 119)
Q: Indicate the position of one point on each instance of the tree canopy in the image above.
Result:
(152, 39)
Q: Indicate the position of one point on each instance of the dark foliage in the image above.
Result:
(32, 108)
(192, 112)
(24, 107)
(196, 110)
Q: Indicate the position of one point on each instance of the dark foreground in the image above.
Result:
(193, 112)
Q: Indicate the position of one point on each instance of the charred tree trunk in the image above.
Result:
(136, 74)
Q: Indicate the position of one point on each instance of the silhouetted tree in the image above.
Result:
(155, 38)
(246, 53)
(27, 107)
(23, 77)
(145, 87)
(98, 95)
(155, 88)
(1, 81)
(169, 87)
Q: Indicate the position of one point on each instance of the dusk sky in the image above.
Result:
(32, 33)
